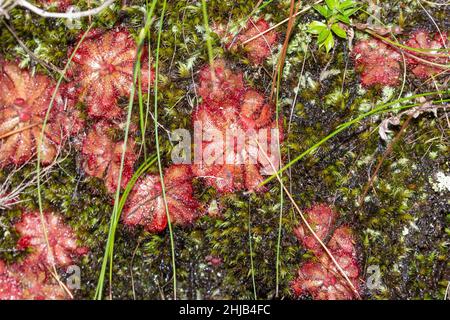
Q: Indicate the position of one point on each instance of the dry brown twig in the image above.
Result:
(9, 196)
(412, 114)
(47, 65)
(383, 157)
(278, 71)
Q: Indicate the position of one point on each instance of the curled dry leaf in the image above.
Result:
(415, 112)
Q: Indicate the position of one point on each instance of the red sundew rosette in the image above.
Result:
(378, 63)
(103, 71)
(219, 85)
(320, 277)
(62, 239)
(145, 205)
(9, 286)
(256, 50)
(212, 168)
(37, 283)
(422, 39)
(61, 5)
(227, 122)
(102, 156)
(321, 218)
(260, 48)
(30, 281)
(24, 101)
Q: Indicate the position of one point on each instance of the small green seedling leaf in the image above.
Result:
(346, 4)
(323, 36)
(351, 11)
(339, 31)
(316, 27)
(333, 11)
(329, 42)
(323, 10)
(332, 4)
(342, 18)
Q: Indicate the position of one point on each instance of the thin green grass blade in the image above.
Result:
(424, 51)
(161, 175)
(208, 32)
(108, 255)
(380, 109)
(41, 136)
(142, 116)
(252, 266)
(280, 218)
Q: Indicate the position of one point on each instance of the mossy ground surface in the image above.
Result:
(402, 226)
